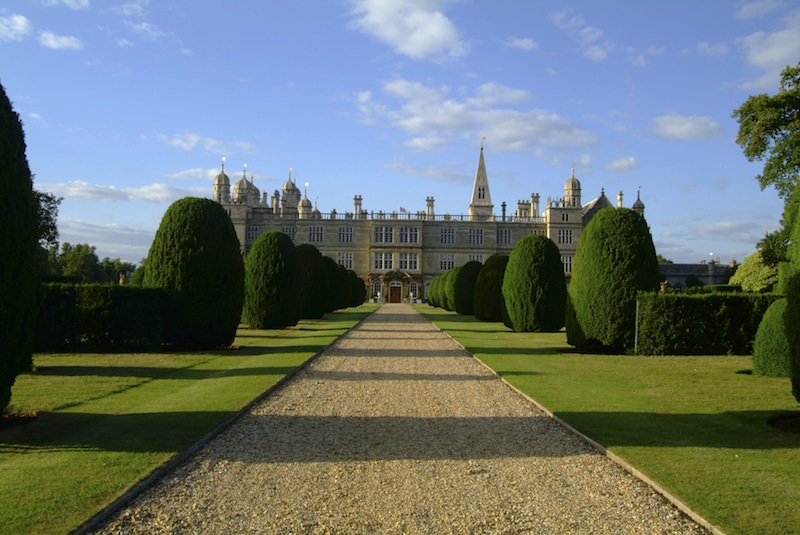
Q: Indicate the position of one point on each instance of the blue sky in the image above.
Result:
(128, 106)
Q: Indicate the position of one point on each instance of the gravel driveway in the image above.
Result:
(396, 429)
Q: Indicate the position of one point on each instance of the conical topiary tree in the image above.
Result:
(270, 282)
(313, 281)
(465, 287)
(488, 301)
(450, 288)
(771, 355)
(195, 257)
(19, 271)
(534, 288)
(614, 261)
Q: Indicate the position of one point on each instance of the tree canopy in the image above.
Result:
(769, 130)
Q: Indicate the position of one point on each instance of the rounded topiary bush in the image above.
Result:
(271, 282)
(465, 287)
(771, 355)
(313, 281)
(614, 261)
(488, 301)
(450, 288)
(534, 288)
(195, 257)
(19, 270)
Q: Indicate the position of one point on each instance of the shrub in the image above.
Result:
(771, 347)
(488, 301)
(791, 316)
(313, 281)
(19, 269)
(465, 287)
(450, 288)
(270, 282)
(195, 257)
(705, 324)
(615, 260)
(357, 290)
(534, 288)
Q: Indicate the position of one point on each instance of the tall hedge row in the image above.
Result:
(614, 261)
(195, 257)
(488, 304)
(271, 283)
(99, 317)
(19, 272)
(534, 288)
(704, 324)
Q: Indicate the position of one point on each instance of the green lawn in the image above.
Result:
(696, 425)
(107, 420)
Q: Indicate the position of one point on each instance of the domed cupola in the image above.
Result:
(245, 192)
(572, 190)
(222, 186)
(638, 206)
(304, 208)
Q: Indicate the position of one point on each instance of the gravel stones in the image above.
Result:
(396, 429)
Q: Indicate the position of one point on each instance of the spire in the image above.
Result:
(480, 207)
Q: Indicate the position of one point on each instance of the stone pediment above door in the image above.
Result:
(396, 275)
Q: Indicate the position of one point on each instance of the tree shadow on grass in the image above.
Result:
(160, 373)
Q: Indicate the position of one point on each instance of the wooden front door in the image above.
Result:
(395, 294)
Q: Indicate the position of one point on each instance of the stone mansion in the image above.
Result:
(399, 253)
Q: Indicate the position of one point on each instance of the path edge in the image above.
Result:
(625, 465)
(104, 515)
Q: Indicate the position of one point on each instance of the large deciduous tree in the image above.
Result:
(19, 237)
(769, 130)
(534, 288)
(195, 257)
(615, 260)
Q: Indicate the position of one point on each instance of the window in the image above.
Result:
(481, 192)
(315, 234)
(376, 289)
(345, 234)
(253, 233)
(413, 289)
(504, 236)
(345, 260)
(383, 261)
(566, 261)
(538, 232)
(447, 262)
(409, 235)
(408, 261)
(565, 236)
(565, 216)
(383, 234)
(476, 258)
(447, 236)
(289, 231)
(476, 236)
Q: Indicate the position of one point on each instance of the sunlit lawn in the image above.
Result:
(107, 420)
(696, 425)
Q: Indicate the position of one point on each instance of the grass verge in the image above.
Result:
(699, 426)
(107, 420)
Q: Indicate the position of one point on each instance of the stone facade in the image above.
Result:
(398, 253)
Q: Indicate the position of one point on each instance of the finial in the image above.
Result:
(244, 172)
(573, 170)
(482, 138)
(223, 164)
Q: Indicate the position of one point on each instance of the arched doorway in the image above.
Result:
(395, 292)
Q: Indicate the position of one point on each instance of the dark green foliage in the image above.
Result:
(450, 278)
(313, 281)
(99, 317)
(465, 287)
(137, 277)
(195, 257)
(433, 289)
(705, 324)
(791, 317)
(488, 301)
(614, 261)
(771, 355)
(534, 288)
(336, 294)
(19, 241)
(271, 282)
(356, 289)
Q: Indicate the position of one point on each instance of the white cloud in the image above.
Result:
(734, 231)
(59, 42)
(772, 52)
(14, 28)
(112, 241)
(194, 174)
(625, 164)
(418, 29)
(432, 117)
(190, 141)
(147, 31)
(72, 4)
(131, 9)
(712, 49)
(585, 36)
(437, 173)
(638, 58)
(155, 193)
(759, 8)
(522, 43)
(675, 126)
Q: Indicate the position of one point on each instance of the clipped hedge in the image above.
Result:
(771, 355)
(704, 324)
(464, 286)
(488, 301)
(98, 317)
